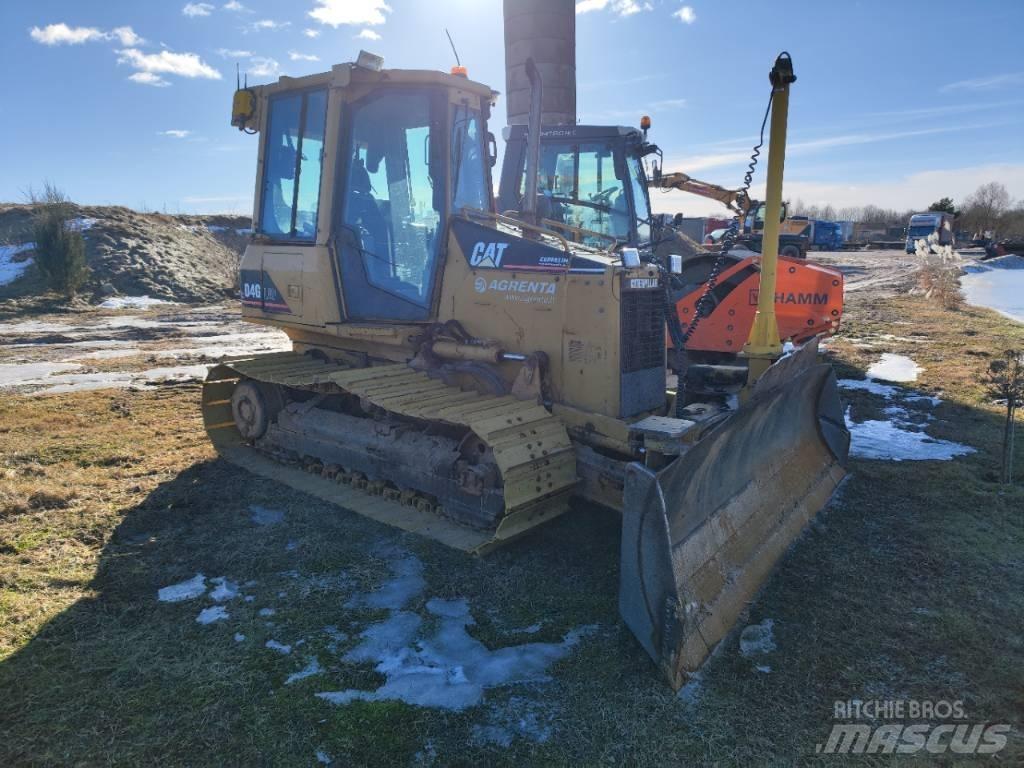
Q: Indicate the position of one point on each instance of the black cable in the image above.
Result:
(679, 337)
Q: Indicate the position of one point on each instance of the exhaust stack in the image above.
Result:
(545, 31)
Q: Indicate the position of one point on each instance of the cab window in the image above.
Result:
(390, 202)
(584, 189)
(293, 162)
(469, 178)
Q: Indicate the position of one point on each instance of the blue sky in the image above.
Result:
(897, 102)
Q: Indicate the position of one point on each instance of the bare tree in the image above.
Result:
(983, 210)
(1005, 381)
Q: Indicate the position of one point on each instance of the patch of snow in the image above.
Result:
(394, 594)
(223, 590)
(869, 385)
(690, 693)
(757, 638)
(185, 590)
(216, 228)
(1000, 289)
(212, 614)
(895, 368)
(323, 757)
(312, 668)
(451, 609)
(264, 516)
(79, 382)
(239, 637)
(279, 647)
(19, 373)
(450, 670)
(80, 224)
(763, 668)
(132, 302)
(108, 354)
(243, 231)
(530, 630)
(917, 397)
(266, 612)
(291, 546)
(249, 598)
(888, 440)
(11, 270)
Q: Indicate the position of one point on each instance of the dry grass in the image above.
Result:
(911, 586)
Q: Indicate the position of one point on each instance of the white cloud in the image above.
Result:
(796, 148)
(334, 13)
(989, 83)
(126, 36)
(368, 34)
(230, 53)
(234, 5)
(197, 9)
(686, 14)
(62, 34)
(296, 56)
(148, 78)
(618, 7)
(167, 62)
(270, 24)
(667, 104)
(176, 133)
(264, 66)
(311, 32)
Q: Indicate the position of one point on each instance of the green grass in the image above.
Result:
(911, 585)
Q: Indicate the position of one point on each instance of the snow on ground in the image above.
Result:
(81, 224)
(756, 639)
(212, 614)
(281, 648)
(997, 284)
(893, 441)
(265, 516)
(223, 589)
(311, 669)
(185, 590)
(450, 669)
(132, 302)
(423, 648)
(57, 383)
(895, 368)
(900, 437)
(11, 270)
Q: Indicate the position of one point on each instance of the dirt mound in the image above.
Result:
(179, 258)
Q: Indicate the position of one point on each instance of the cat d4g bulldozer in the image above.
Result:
(461, 374)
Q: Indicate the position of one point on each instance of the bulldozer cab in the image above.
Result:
(590, 180)
(370, 163)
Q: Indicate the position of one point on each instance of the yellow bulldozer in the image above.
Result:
(461, 374)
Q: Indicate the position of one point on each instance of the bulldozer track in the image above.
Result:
(531, 448)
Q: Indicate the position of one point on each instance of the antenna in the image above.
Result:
(452, 43)
(238, 76)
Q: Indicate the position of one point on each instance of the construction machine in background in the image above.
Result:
(461, 374)
(593, 188)
(793, 234)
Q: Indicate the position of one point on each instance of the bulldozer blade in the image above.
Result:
(700, 536)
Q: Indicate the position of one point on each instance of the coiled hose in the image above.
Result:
(681, 337)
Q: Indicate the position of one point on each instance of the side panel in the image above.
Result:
(525, 295)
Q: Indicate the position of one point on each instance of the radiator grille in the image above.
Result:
(643, 330)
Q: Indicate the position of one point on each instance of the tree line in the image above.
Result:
(989, 209)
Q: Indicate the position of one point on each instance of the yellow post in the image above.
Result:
(764, 346)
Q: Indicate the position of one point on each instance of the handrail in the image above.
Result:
(498, 218)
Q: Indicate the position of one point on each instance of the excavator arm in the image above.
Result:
(735, 200)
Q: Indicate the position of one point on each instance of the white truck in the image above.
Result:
(924, 224)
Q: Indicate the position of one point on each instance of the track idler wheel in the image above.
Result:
(253, 407)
